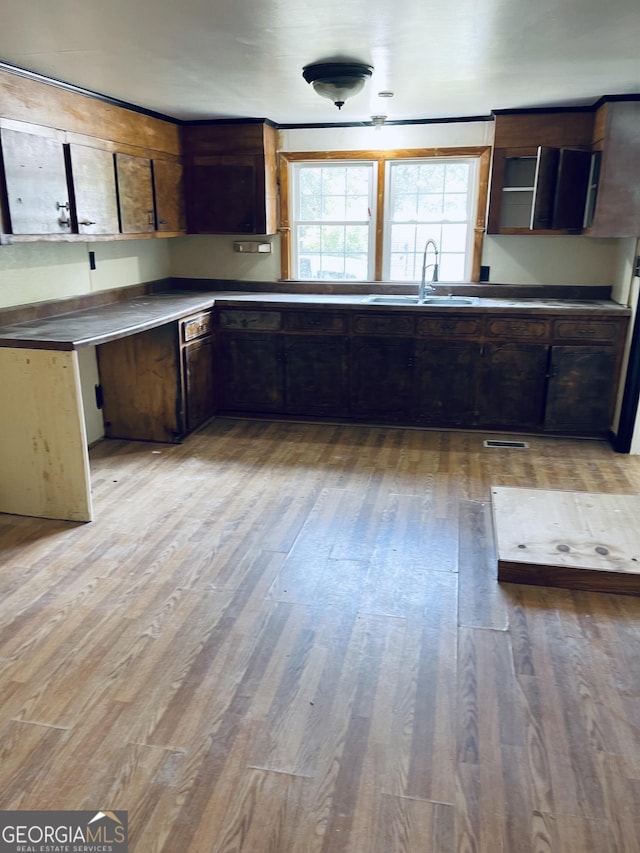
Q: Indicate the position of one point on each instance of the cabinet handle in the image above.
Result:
(86, 222)
(587, 332)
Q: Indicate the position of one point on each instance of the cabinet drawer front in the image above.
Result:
(263, 320)
(385, 324)
(196, 327)
(459, 327)
(308, 321)
(587, 330)
(519, 328)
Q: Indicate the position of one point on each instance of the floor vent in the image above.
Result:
(493, 443)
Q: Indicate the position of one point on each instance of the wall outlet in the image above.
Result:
(252, 247)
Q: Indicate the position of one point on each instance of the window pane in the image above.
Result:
(454, 238)
(434, 197)
(457, 178)
(333, 207)
(332, 223)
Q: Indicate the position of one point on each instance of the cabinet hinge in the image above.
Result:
(99, 397)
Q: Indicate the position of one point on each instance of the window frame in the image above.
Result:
(285, 158)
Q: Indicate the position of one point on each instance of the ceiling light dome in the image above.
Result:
(337, 80)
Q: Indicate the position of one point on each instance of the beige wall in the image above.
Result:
(213, 257)
(33, 272)
(551, 260)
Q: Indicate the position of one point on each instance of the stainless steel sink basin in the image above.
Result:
(428, 300)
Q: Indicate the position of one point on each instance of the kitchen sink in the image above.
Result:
(428, 300)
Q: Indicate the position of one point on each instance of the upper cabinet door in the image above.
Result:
(222, 196)
(94, 185)
(135, 194)
(36, 180)
(169, 195)
(571, 189)
(617, 202)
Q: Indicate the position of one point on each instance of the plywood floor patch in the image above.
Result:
(577, 540)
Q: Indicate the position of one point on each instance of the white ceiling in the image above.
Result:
(200, 59)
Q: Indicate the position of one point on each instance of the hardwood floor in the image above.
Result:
(289, 638)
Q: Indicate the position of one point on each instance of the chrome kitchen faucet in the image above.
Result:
(422, 290)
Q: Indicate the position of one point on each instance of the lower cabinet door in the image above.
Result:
(582, 382)
(446, 382)
(382, 378)
(251, 372)
(513, 385)
(316, 375)
(140, 379)
(199, 389)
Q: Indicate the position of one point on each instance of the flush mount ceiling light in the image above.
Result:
(337, 80)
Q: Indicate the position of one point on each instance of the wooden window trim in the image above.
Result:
(285, 158)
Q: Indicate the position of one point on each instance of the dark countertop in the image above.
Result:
(97, 325)
(92, 326)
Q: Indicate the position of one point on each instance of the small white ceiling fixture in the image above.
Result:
(337, 80)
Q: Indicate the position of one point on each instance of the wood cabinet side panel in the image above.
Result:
(617, 210)
(44, 462)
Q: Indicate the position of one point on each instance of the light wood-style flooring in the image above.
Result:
(289, 638)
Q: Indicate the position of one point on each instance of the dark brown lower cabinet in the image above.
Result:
(512, 386)
(158, 385)
(582, 383)
(251, 372)
(140, 381)
(499, 371)
(382, 376)
(315, 375)
(198, 381)
(446, 380)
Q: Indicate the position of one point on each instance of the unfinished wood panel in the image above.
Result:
(44, 467)
(577, 540)
(94, 190)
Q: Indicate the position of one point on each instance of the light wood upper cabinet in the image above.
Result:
(135, 194)
(94, 190)
(169, 195)
(36, 182)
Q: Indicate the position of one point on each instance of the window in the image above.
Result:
(332, 221)
(429, 200)
(367, 216)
